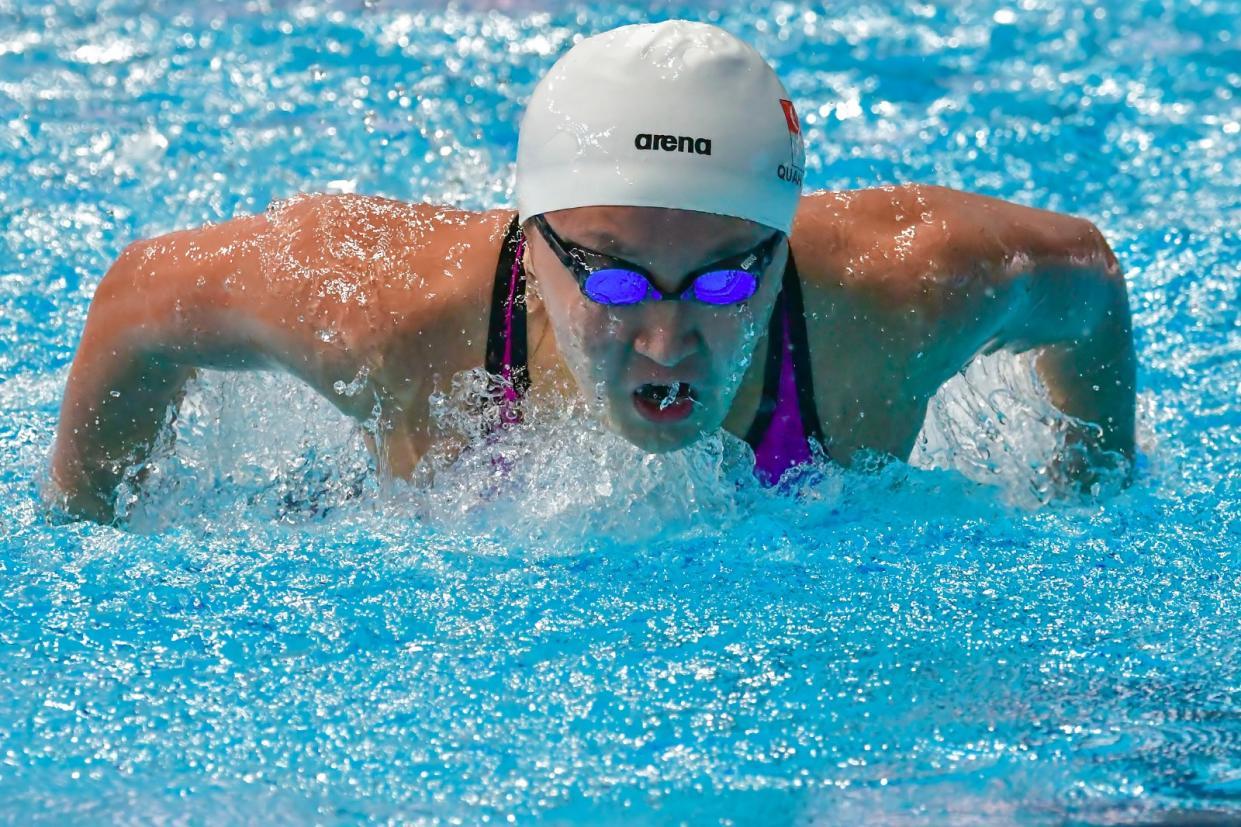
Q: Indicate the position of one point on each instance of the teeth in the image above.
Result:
(667, 395)
(674, 390)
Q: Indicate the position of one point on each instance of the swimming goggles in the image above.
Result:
(609, 280)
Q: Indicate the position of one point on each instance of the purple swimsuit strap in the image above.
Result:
(784, 443)
(788, 419)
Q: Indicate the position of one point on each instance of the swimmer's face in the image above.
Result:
(628, 358)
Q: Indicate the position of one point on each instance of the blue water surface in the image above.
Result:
(277, 636)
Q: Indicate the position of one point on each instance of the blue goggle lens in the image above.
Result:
(724, 286)
(617, 286)
(620, 286)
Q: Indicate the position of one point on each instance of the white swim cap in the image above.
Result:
(675, 114)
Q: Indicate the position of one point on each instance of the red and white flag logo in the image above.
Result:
(790, 115)
(793, 171)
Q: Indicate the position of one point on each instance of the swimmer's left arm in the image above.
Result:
(1048, 281)
(1076, 308)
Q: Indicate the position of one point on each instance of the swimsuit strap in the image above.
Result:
(771, 374)
(787, 418)
(506, 331)
(799, 341)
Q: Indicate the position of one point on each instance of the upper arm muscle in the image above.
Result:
(942, 275)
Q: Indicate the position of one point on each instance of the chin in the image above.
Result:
(661, 441)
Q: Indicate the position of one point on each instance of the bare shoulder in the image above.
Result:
(405, 286)
(380, 245)
(902, 244)
(331, 250)
(907, 283)
(324, 285)
(367, 265)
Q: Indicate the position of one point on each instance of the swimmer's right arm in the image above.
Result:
(332, 289)
(209, 297)
(148, 327)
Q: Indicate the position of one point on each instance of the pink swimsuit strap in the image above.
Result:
(510, 410)
(506, 334)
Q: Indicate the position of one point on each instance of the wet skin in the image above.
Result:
(903, 286)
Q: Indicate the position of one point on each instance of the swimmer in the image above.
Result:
(663, 263)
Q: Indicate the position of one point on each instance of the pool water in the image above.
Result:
(600, 636)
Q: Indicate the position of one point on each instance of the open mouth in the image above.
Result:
(665, 403)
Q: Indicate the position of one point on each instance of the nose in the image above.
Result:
(665, 336)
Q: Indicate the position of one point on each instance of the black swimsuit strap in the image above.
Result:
(506, 295)
(799, 339)
(788, 302)
(771, 370)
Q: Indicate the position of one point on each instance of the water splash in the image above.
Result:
(864, 647)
